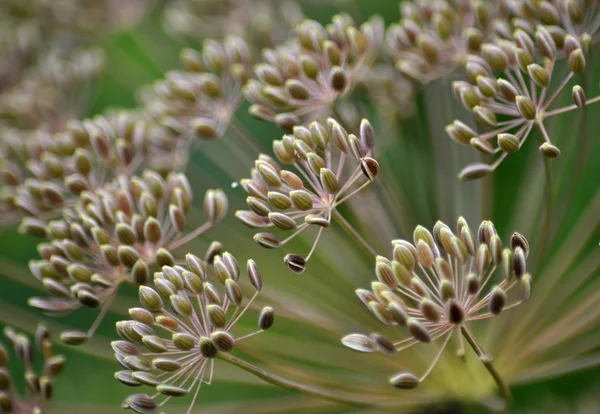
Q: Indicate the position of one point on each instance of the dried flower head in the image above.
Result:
(523, 95)
(49, 172)
(269, 22)
(174, 350)
(434, 38)
(39, 386)
(301, 80)
(436, 286)
(200, 100)
(115, 235)
(295, 201)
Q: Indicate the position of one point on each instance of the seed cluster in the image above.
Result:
(269, 22)
(173, 350)
(437, 284)
(47, 57)
(114, 235)
(59, 167)
(524, 93)
(293, 201)
(434, 38)
(301, 80)
(39, 386)
(201, 99)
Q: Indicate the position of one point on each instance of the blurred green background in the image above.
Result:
(137, 56)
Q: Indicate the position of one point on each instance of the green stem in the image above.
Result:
(489, 365)
(291, 385)
(353, 233)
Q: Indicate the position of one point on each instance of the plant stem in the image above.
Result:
(353, 233)
(489, 365)
(291, 385)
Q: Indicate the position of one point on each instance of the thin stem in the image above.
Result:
(291, 385)
(353, 233)
(569, 108)
(437, 357)
(489, 365)
(191, 236)
(101, 315)
(557, 92)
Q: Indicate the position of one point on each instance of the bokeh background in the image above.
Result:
(141, 53)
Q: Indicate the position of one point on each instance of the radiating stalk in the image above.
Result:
(489, 365)
(291, 385)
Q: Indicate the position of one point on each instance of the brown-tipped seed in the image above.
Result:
(460, 132)
(549, 151)
(127, 255)
(125, 348)
(150, 299)
(166, 364)
(578, 95)
(507, 90)
(383, 343)
(526, 107)
(381, 313)
(482, 146)
(126, 378)
(456, 314)
(518, 240)
(424, 254)
(405, 381)
(418, 331)
(233, 292)
(384, 272)
(266, 318)
(538, 74)
(525, 287)
(140, 273)
(146, 378)
(447, 290)
(328, 180)
(278, 200)
(295, 262)
(482, 259)
(183, 341)
(216, 315)
(399, 314)
(508, 142)
(267, 240)
(475, 171)
(429, 310)
(519, 262)
(497, 300)
(359, 342)
(140, 403)
(577, 61)
(74, 337)
(282, 221)
(223, 341)
(172, 390)
(301, 199)
(181, 305)
(472, 283)
(338, 79)
(485, 116)
(254, 274)
(370, 167)
(195, 265)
